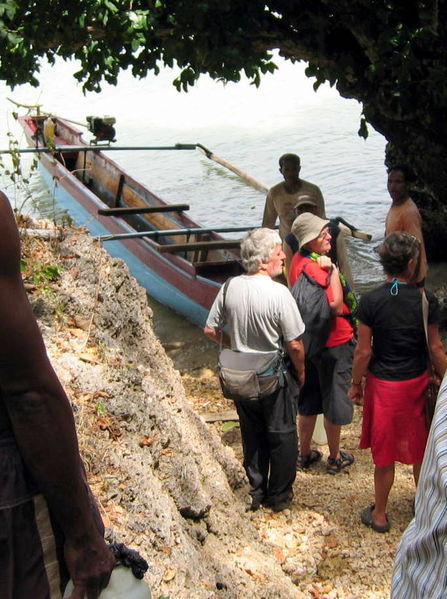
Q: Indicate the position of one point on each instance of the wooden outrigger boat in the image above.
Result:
(179, 263)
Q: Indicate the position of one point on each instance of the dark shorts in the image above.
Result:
(31, 563)
(328, 379)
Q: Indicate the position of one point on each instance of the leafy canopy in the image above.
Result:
(391, 55)
(381, 52)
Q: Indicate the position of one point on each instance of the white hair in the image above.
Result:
(257, 246)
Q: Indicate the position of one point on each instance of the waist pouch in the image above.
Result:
(246, 375)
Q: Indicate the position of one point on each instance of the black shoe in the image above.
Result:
(282, 504)
(304, 462)
(254, 506)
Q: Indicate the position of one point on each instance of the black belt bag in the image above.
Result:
(246, 375)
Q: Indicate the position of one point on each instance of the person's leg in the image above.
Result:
(283, 456)
(309, 406)
(383, 481)
(255, 448)
(306, 426)
(334, 371)
(333, 432)
(280, 418)
(416, 472)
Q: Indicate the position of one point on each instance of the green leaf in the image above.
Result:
(228, 426)
(363, 129)
(114, 9)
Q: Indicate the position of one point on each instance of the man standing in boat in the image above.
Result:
(49, 522)
(283, 197)
(262, 317)
(404, 214)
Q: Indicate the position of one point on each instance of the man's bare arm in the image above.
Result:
(436, 349)
(42, 421)
(270, 215)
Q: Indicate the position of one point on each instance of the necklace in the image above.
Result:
(395, 286)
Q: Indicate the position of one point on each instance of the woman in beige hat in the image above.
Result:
(328, 373)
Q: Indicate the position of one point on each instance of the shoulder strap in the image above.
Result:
(292, 242)
(334, 230)
(313, 280)
(425, 314)
(224, 292)
(224, 297)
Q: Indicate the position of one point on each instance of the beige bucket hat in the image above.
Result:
(308, 226)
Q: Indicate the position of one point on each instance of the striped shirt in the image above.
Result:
(420, 568)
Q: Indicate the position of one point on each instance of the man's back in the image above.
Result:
(260, 313)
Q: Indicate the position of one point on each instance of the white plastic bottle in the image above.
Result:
(122, 585)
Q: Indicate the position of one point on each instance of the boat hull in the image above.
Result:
(169, 278)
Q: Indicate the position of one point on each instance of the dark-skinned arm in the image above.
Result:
(270, 215)
(436, 349)
(42, 422)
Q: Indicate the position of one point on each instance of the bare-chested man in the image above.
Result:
(50, 528)
(283, 197)
(404, 214)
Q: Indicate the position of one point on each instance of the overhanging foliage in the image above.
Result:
(388, 54)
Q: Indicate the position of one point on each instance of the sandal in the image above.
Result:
(334, 466)
(367, 520)
(304, 462)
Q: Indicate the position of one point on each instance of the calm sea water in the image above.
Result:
(247, 126)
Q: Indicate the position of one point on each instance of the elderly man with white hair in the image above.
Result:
(262, 317)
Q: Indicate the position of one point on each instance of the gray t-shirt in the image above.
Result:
(260, 314)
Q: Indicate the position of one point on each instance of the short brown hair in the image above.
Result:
(397, 250)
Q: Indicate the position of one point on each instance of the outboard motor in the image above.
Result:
(102, 128)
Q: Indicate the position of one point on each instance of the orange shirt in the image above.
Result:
(341, 328)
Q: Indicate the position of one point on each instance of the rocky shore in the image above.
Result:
(171, 485)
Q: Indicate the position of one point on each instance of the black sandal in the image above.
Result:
(367, 520)
(304, 462)
(334, 466)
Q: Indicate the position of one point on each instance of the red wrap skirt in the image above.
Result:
(394, 420)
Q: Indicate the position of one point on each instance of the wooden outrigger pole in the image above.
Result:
(240, 173)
